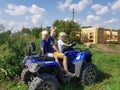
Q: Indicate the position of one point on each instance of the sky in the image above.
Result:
(16, 14)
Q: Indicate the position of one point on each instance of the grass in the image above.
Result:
(111, 46)
(108, 66)
(13, 86)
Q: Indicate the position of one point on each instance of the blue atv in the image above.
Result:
(44, 73)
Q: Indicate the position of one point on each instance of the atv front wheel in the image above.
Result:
(88, 74)
(44, 82)
(26, 76)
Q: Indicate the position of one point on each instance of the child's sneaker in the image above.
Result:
(71, 74)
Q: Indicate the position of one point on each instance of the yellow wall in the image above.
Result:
(101, 35)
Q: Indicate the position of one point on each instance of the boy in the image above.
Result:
(53, 49)
(61, 43)
(43, 43)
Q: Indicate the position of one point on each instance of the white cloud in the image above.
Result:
(93, 19)
(32, 14)
(36, 19)
(109, 3)
(21, 10)
(36, 10)
(13, 25)
(116, 5)
(111, 21)
(0, 12)
(62, 6)
(2, 22)
(37, 14)
(81, 5)
(16, 10)
(16, 26)
(78, 7)
(27, 17)
(67, 19)
(113, 12)
(100, 9)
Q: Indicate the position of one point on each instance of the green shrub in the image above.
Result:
(12, 56)
(4, 36)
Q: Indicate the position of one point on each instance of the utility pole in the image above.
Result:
(73, 14)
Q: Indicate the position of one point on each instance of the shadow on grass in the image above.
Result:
(72, 85)
(101, 76)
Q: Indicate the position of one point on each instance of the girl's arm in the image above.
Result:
(65, 44)
(42, 51)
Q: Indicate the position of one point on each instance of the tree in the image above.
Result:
(4, 36)
(26, 30)
(36, 31)
(68, 27)
(2, 28)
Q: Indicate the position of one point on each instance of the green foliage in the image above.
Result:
(111, 45)
(36, 31)
(13, 86)
(74, 38)
(2, 28)
(12, 55)
(12, 49)
(69, 27)
(37, 43)
(2, 75)
(26, 30)
(4, 36)
(108, 66)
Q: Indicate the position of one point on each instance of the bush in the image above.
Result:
(12, 55)
(74, 38)
(4, 36)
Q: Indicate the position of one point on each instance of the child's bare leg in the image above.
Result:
(56, 58)
(65, 63)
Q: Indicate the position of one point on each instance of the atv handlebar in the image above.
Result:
(72, 44)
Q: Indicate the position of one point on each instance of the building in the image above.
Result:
(95, 35)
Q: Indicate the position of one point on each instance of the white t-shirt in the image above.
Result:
(60, 45)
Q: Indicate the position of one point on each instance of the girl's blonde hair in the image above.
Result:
(45, 32)
(61, 35)
(53, 28)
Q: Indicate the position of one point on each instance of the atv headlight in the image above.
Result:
(34, 67)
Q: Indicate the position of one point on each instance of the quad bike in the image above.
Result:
(46, 74)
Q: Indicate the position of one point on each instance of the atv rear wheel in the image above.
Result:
(26, 76)
(44, 82)
(88, 74)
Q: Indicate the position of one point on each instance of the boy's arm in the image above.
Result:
(55, 48)
(64, 44)
(42, 51)
(53, 45)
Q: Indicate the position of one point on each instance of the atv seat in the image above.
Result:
(31, 49)
(42, 58)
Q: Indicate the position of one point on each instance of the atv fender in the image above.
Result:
(78, 67)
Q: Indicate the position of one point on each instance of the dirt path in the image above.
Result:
(115, 48)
